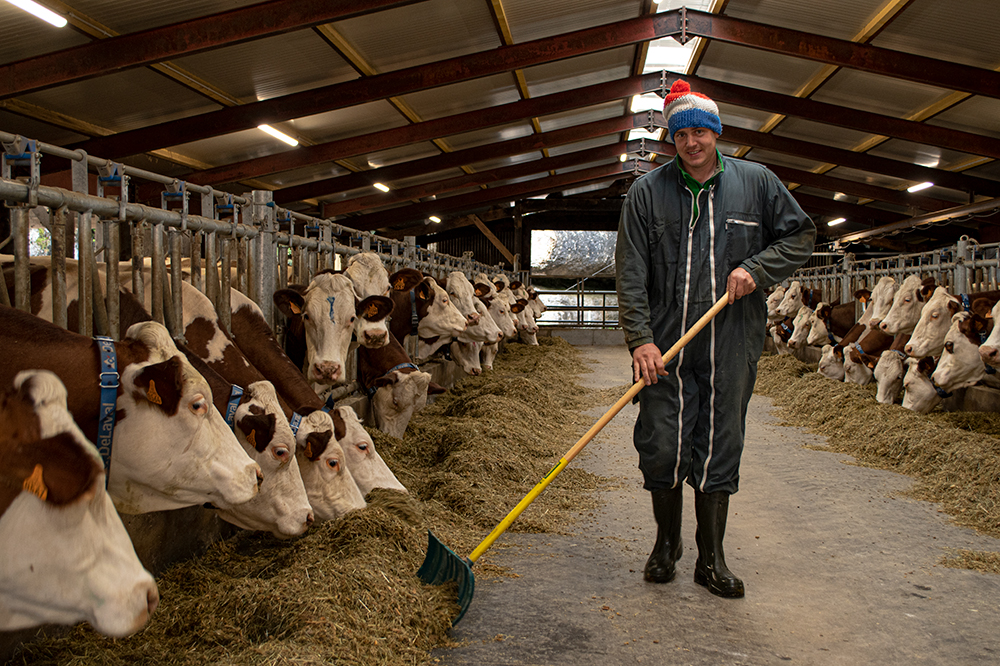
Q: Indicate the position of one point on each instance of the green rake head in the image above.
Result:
(442, 565)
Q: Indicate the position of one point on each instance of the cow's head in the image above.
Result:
(526, 326)
(831, 362)
(281, 507)
(906, 306)
(466, 355)
(329, 483)
(463, 295)
(960, 364)
(933, 324)
(791, 301)
(988, 350)
(325, 312)
(66, 555)
(371, 326)
(888, 375)
(773, 301)
(367, 466)
(880, 300)
(397, 396)
(919, 393)
(171, 447)
(368, 275)
(800, 327)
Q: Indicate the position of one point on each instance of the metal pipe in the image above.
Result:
(112, 251)
(85, 254)
(138, 259)
(19, 223)
(222, 306)
(176, 292)
(156, 273)
(58, 267)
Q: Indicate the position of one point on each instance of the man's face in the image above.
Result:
(696, 148)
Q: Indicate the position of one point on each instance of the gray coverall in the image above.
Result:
(672, 261)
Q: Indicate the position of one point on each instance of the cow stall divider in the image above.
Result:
(232, 241)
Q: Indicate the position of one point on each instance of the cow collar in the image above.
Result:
(990, 370)
(234, 401)
(858, 347)
(109, 378)
(329, 404)
(901, 353)
(414, 318)
(295, 422)
(940, 391)
(370, 390)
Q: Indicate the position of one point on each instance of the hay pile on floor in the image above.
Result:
(954, 457)
(346, 593)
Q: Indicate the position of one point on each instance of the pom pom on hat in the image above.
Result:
(683, 108)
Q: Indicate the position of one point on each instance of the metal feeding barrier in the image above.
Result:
(218, 239)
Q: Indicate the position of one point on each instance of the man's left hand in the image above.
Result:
(739, 284)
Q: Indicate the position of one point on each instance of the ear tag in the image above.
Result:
(863, 300)
(371, 311)
(400, 285)
(35, 484)
(152, 395)
(251, 438)
(294, 308)
(309, 451)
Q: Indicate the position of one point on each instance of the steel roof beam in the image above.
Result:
(844, 53)
(381, 86)
(476, 179)
(854, 212)
(989, 207)
(861, 161)
(830, 114)
(464, 157)
(483, 198)
(430, 129)
(148, 47)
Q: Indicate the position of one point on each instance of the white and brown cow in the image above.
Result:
(935, 319)
(920, 393)
(889, 371)
(65, 556)
(329, 483)
(961, 365)
(527, 329)
(907, 303)
(989, 351)
(395, 386)
(773, 301)
(463, 295)
(795, 297)
(367, 466)
(371, 288)
(421, 300)
(171, 448)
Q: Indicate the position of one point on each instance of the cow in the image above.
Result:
(801, 325)
(861, 356)
(773, 301)
(329, 483)
(463, 295)
(422, 307)
(831, 323)
(371, 288)
(498, 307)
(467, 356)
(502, 284)
(781, 333)
(538, 306)
(256, 340)
(831, 362)
(961, 365)
(369, 470)
(170, 448)
(65, 556)
(889, 370)
(879, 301)
(907, 303)
(527, 329)
(395, 386)
(322, 318)
(935, 319)
(920, 393)
(988, 351)
(795, 297)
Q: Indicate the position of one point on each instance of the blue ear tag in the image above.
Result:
(331, 299)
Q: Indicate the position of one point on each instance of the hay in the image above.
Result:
(347, 592)
(954, 457)
(973, 559)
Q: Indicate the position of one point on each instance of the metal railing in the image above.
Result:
(579, 308)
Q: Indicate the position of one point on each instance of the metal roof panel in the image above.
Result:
(530, 19)
(578, 72)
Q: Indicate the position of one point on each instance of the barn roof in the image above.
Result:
(477, 110)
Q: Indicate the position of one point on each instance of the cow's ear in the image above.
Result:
(434, 388)
(516, 284)
(290, 302)
(405, 279)
(499, 285)
(61, 470)
(482, 289)
(160, 384)
(862, 295)
(374, 308)
(953, 308)
(424, 291)
(517, 307)
(316, 443)
(258, 429)
(387, 380)
(926, 290)
(926, 365)
(982, 307)
(979, 323)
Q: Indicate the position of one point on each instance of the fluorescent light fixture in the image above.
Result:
(833, 223)
(435, 219)
(623, 157)
(919, 186)
(381, 187)
(278, 135)
(43, 13)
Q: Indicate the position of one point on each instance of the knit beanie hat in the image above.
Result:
(683, 108)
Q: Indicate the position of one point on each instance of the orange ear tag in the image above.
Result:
(400, 285)
(372, 311)
(152, 395)
(250, 438)
(294, 308)
(35, 484)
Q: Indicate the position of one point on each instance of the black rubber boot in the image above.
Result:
(667, 504)
(710, 570)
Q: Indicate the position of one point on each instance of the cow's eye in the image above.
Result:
(306, 317)
(935, 315)
(199, 405)
(352, 319)
(333, 463)
(949, 347)
(281, 453)
(362, 446)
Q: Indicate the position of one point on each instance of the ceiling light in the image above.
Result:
(833, 223)
(435, 219)
(919, 186)
(43, 13)
(278, 135)
(623, 157)
(381, 187)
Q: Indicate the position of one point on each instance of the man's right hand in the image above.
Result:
(647, 363)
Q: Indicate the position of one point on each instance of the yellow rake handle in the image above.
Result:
(590, 434)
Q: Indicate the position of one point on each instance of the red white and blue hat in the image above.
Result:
(683, 108)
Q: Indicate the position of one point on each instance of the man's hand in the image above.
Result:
(647, 362)
(739, 284)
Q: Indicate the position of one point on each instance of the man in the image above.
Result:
(690, 230)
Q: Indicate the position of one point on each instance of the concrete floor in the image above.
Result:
(839, 569)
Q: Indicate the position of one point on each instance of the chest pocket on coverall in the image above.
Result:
(663, 238)
(743, 237)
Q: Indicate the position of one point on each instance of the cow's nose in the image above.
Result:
(310, 519)
(908, 349)
(375, 339)
(260, 477)
(988, 353)
(328, 371)
(883, 326)
(152, 599)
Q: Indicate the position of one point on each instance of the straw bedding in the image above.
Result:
(954, 457)
(346, 592)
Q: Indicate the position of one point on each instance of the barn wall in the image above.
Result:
(482, 249)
